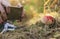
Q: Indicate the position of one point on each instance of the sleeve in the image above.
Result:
(6, 3)
(0, 1)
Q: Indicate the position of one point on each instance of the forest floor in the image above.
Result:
(33, 29)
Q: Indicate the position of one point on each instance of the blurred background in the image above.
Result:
(31, 26)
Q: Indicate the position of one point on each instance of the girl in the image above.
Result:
(3, 16)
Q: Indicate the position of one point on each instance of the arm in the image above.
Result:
(6, 4)
(1, 20)
(2, 12)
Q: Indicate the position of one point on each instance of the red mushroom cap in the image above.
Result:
(47, 20)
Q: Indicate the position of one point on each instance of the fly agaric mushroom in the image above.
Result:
(47, 19)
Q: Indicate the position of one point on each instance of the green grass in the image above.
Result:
(39, 6)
